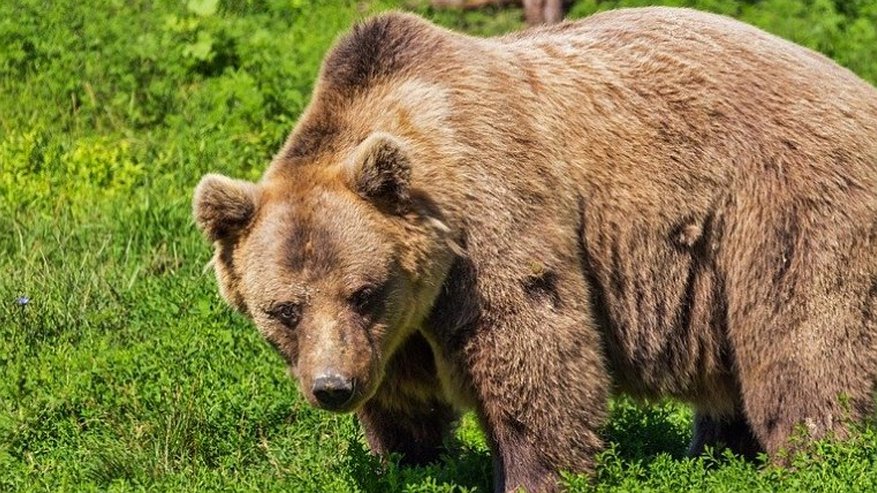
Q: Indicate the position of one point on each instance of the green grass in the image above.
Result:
(125, 371)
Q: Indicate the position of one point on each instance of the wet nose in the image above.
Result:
(332, 390)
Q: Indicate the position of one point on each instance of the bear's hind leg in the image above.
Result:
(719, 433)
(809, 376)
(809, 372)
(801, 287)
(790, 403)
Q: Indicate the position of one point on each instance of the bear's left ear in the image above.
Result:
(380, 170)
(223, 207)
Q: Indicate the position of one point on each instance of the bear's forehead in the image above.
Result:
(316, 237)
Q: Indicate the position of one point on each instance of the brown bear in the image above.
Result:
(657, 202)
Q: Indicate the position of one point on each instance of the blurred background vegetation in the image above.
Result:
(121, 369)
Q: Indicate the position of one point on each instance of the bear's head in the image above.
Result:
(336, 262)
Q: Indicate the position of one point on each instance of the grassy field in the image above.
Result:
(121, 369)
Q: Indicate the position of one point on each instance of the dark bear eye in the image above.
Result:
(288, 313)
(366, 299)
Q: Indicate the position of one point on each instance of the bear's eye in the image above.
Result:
(366, 299)
(288, 313)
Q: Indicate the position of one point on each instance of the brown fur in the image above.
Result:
(655, 201)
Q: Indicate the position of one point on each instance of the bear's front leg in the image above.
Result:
(407, 415)
(539, 376)
(416, 431)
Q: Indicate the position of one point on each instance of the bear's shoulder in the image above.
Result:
(380, 48)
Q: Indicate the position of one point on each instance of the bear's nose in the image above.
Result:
(332, 390)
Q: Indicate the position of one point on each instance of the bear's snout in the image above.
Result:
(332, 390)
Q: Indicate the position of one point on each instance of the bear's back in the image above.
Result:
(696, 89)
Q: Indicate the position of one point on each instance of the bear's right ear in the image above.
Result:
(379, 170)
(223, 206)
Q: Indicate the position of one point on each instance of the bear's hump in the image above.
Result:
(377, 49)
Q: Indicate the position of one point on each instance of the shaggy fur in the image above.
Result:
(658, 202)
